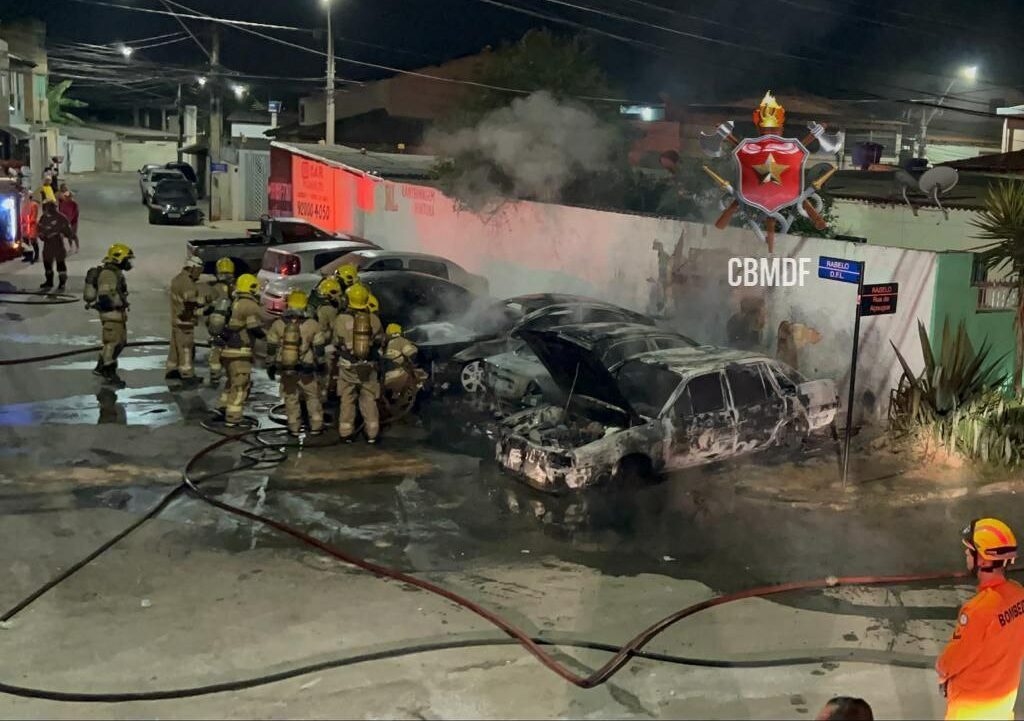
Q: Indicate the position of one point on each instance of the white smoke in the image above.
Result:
(539, 144)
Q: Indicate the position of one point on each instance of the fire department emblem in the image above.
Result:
(771, 172)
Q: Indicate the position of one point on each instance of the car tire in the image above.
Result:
(632, 471)
(155, 218)
(471, 377)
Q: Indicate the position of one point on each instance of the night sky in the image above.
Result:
(896, 49)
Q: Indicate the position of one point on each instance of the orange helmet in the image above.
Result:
(991, 540)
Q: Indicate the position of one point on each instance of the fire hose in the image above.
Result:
(534, 645)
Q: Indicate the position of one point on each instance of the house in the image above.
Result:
(25, 130)
(1013, 127)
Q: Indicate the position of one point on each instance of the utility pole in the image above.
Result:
(329, 134)
(216, 122)
(181, 124)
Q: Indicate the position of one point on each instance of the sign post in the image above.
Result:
(874, 299)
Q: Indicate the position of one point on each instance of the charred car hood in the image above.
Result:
(577, 371)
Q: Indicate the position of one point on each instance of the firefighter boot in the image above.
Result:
(48, 283)
(62, 283)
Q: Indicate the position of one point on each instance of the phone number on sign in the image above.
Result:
(318, 211)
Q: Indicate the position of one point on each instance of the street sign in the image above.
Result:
(273, 106)
(218, 167)
(846, 271)
(879, 299)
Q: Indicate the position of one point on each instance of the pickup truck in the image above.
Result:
(247, 252)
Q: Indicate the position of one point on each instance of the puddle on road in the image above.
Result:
(124, 363)
(150, 406)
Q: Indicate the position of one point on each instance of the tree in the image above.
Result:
(56, 97)
(1002, 221)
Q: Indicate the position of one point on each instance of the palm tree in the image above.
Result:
(1002, 222)
(59, 102)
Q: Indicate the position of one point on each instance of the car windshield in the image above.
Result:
(156, 176)
(180, 190)
(646, 387)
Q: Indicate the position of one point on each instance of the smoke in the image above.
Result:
(530, 149)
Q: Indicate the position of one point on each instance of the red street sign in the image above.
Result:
(771, 171)
(879, 299)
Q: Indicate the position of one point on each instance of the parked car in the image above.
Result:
(174, 201)
(378, 259)
(516, 374)
(658, 411)
(457, 350)
(296, 266)
(185, 169)
(247, 252)
(148, 178)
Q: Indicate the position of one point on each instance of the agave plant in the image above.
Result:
(954, 379)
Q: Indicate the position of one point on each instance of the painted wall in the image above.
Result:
(896, 226)
(958, 301)
(135, 155)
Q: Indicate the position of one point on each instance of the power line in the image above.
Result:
(225, 21)
(186, 28)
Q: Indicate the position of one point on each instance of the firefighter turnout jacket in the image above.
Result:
(981, 664)
(186, 299)
(243, 328)
(296, 344)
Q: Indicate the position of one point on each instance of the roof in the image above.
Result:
(382, 253)
(133, 133)
(393, 166)
(688, 360)
(1012, 110)
(19, 60)
(84, 132)
(310, 246)
(881, 188)
(609, 331)
(1012, 162)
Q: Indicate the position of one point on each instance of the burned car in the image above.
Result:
(658, 411)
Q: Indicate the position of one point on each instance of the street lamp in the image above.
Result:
(238, 90)
(969, 73)
(127, 51)
(329, 90)
(202, 81)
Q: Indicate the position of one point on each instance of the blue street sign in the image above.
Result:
(847, 271)
(218, 167)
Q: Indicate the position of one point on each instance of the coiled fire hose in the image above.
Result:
(621, 655)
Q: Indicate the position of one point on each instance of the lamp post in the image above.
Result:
(968, 73)
(329, 97)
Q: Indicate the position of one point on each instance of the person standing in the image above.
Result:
(400, 372)
(107, 291)
(218, 309)
(54, 231)
(295, 350)
(30, 227)
(979, 670)
(186, 299)
(357, 340)
(244, 327)
(68, 207)
(47, 194)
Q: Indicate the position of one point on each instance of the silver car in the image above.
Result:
(373, 259)
(297, 266)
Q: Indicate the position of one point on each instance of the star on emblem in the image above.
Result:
(770, 171)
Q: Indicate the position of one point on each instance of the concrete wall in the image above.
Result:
(136, 154)
(898, 227)
(249, 130)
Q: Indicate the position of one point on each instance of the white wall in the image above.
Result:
(136, 154)
(81, 156)
(897, 226)
(249, 130)
(527, 247)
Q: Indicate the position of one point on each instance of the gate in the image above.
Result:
(255, 171)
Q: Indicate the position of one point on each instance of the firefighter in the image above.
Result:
(107, 291)
(357, 336)
(218, 308)
(240, 335)
(979, 670)
(372, 304)
(398, 365)
(348, 275)
(186, 299)
(295, 350)
(54, 231)
(325, 303)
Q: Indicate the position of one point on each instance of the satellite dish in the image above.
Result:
(906, 180)
(939, 180)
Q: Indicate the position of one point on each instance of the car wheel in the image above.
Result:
(472, 377)
(154, 218)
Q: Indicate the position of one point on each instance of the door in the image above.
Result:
(255, 170)
(759, 409)
(702, 423)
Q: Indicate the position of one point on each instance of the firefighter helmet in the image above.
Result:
(358, 296)
(393, 329)
(225, 266)
(348, 274)
(297, 300)
(119, 253)
(247, 283)
(194, 262)
(330, 288)
(372, 304)
(991, 540)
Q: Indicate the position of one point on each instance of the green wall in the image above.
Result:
(957, 298)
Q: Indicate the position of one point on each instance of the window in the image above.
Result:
(646, 387)
(322, 259)
(669, 343)
(785, 382)
(620, 351)
(746, 384)
(706, 393)
(384, 264)
(430, 267)
(684, 407)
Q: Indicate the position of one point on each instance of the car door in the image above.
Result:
(759, 409)
(702, 423)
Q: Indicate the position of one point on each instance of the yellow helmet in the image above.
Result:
(992, 541)
(393, 329)
(225, 266)
(348, 274)
(297, 300)
(373, 304)
(119, 253)
(247, 283)
(329, 288)
(358, 296)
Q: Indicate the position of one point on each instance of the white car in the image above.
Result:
(149, 177)
(297, 266)
(379, 259)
